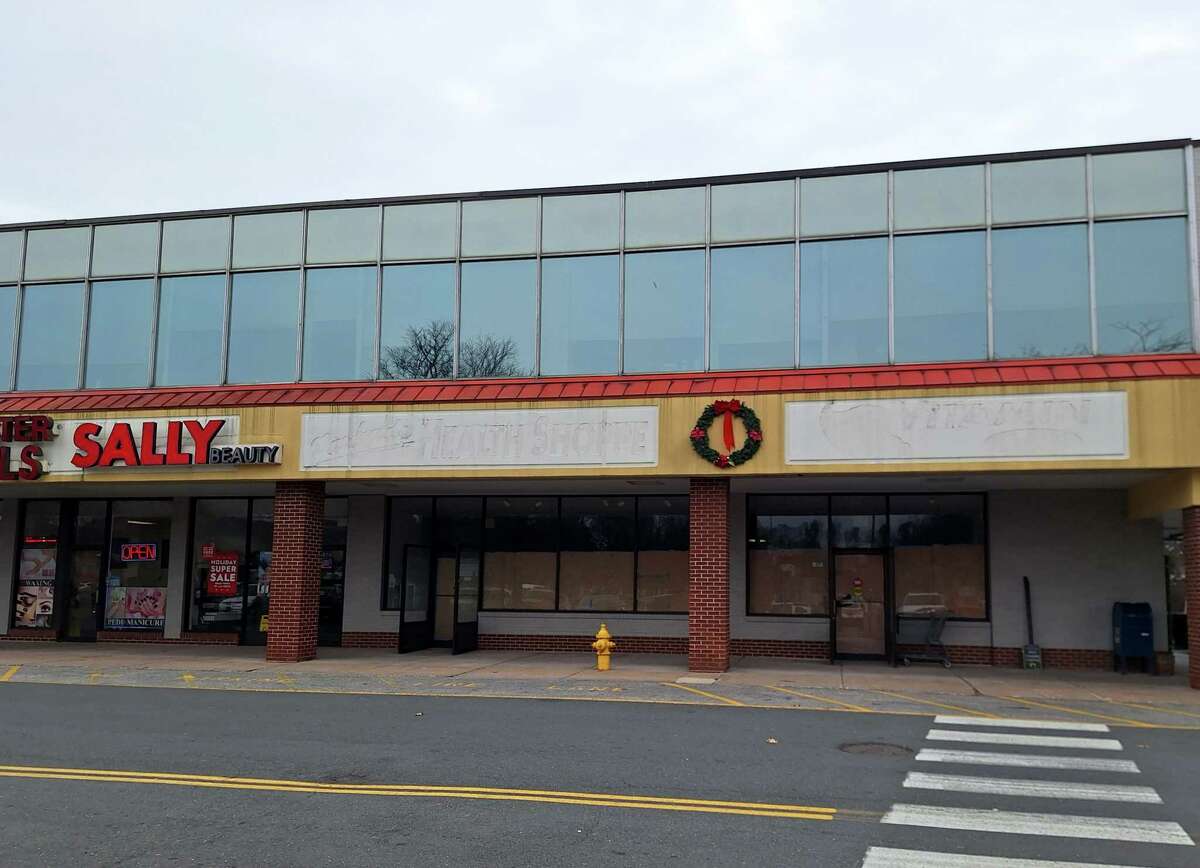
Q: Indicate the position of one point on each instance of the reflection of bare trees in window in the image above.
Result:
(427, 353)
(1032, 351)
(1151, 336)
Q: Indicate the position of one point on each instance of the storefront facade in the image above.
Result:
(768, 415)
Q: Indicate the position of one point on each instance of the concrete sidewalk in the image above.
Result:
(1133, 700)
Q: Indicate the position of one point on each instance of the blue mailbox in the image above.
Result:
(1133, 635)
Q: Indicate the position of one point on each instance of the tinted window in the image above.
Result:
(664, 311)
(520, 552)
(1038, 190)
(1138, 183)
(195, 245)
(343, 235)
(266, 239)
(1142, 286)
(55, 253)
(753, 307)
(745, 212)
(596, 561)
(843, 302)
(339, 323)
(262, 327)
(662, 560)
(417, 338)
(940, 555)
(428, 231)
(1040, 292)
(10, 255)
(842, 204)
(499, 227)
(8, 329)
(498, 316)
(656, 218)
(581, 222)
(579, 315)
(409, 556)
(191, 316)
(51, 323)
(130, 248)
(929, 198)
(940, 297)
(788, 557)
(121, 320)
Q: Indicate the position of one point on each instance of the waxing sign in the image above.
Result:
(129, 446)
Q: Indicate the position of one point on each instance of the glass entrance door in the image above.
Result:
(83, 597)
(860, 592)
(416, 600)
(466, 601)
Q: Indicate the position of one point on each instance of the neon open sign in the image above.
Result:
(139, 552)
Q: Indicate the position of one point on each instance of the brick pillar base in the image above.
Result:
(295, 571)
(1191, 560)
(708, 575)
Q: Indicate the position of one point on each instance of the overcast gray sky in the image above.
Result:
(126, 107)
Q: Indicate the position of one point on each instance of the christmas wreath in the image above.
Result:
(727, 410)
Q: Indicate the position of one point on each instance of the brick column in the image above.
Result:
(1191, 560)
(708, 575)
(295, 571)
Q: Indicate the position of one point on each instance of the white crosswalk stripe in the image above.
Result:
(1024, 740)
(1017, 723)
(888, 857)
(1022, 823)
(1027, 760)
(1035, 789)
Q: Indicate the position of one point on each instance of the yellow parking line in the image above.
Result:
(611, 800)
(944, 705)
(1109, 717)
(849, 706)
(10, 672)
(1131, 705)
(704, 693)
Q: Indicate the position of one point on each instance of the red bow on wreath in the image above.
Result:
(726, 409)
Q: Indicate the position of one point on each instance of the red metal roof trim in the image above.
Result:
(872, 377)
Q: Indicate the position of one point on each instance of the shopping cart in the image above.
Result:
(924, 630)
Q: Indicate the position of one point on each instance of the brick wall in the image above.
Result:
(562, 644)
(295, 571)
(30, 634)
(1191, 559)
(708, 575)
(370, 640)
(792, 649)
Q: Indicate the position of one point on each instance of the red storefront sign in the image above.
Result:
(122, 446)
(30, 430)
(222, 575)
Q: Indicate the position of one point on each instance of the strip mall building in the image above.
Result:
(761, 415)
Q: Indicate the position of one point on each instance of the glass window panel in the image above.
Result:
(499, 227)
(1142, 303)
(656, 218)
(1143, 182)
(753, 307)
(8, 330)
(859, 521)
(121, 321)
(1040, 292)
(339, 323)
(266, 239)
(746, 212)
(499, 306)
(843, 302)
(191, 319)
(219, 552)
(343, 235)
(262, 327)
(10, 255)
(129, 248)
(1039, 190)
(427, 231)
(33, 604)
(662, 560)
(409, 556)
(843, 204)
(664, 311)
(135, 592)
(789, 556)
(417, 338)
(596, 560)
(520, 552)
(940, 555)
(201, 244)
(579, 315)
(581, 222)
(51, 326)
(56, 253)
(929, 198)
(940, 297)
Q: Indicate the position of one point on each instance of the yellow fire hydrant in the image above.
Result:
(603, 646)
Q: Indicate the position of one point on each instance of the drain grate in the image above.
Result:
(875, 748)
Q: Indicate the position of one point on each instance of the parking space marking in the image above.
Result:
(1127, 721)
(704, 693)
(846, 705)
(930, 702)
(10, 672)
